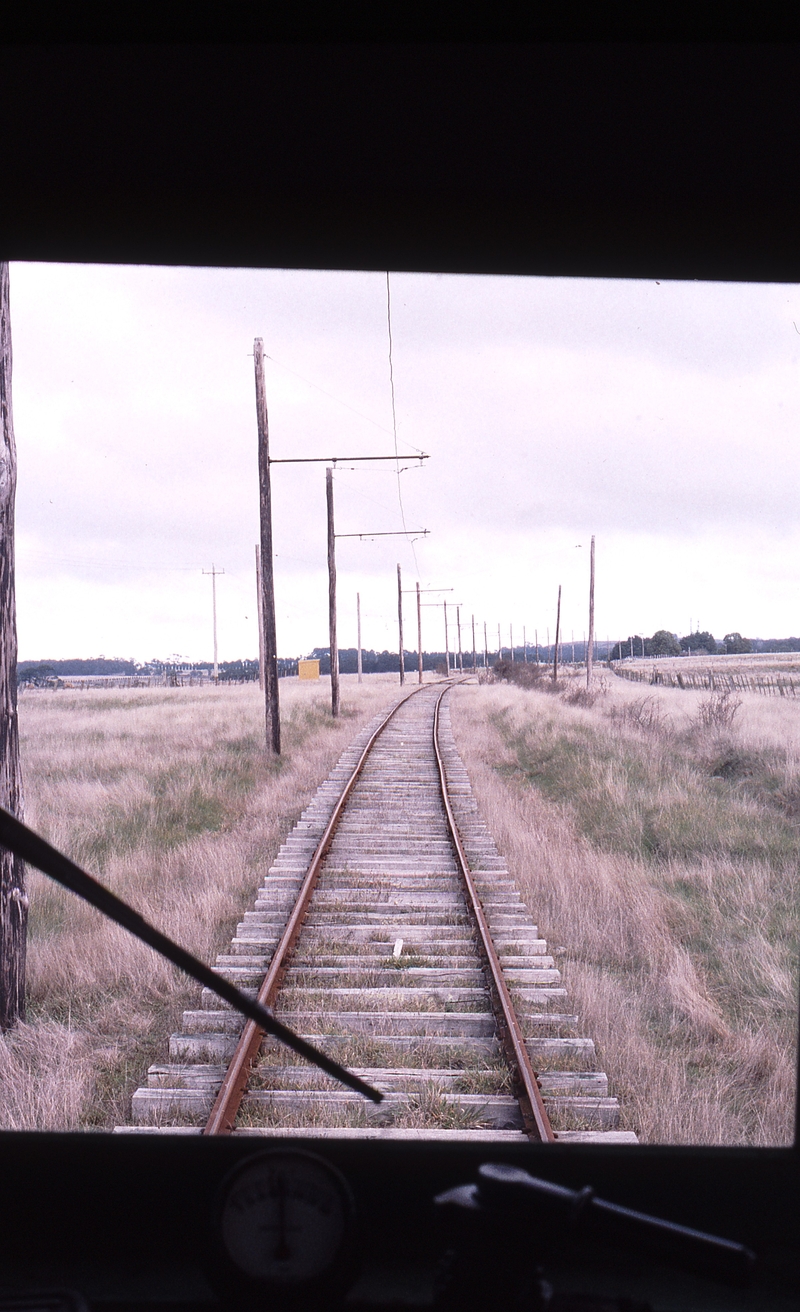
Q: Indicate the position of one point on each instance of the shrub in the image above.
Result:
(718, 711)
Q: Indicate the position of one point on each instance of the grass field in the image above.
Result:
(167, 796)
(659, 848)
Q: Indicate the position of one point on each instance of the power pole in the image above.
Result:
(419, 633)
(269, 639)
(511, 640)
(590, 648)
(446, 644)
(558, 629)
(473, 644)
(400, 623)
(13, 900)
(485, 648)
(260, 612)
(358, 613)
(458, 625)
(332, 596)
(214, 572)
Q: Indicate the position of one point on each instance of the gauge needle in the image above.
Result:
(282, 1251)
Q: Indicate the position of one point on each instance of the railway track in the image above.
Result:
(389, 933)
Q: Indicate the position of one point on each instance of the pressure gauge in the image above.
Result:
(285, 1225)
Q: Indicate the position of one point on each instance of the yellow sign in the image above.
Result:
(308, 669)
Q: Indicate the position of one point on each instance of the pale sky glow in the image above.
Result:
(661, 418)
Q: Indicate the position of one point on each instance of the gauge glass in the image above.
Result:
(285, 1218)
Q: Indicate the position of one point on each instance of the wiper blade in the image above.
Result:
(24, 843)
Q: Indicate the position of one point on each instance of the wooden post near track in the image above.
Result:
(400, 622)
(446, 644)
(260, 612)
(590, 647)
(558, 629)
(460, 654)
(419, 633)
(269, 637)
(13, 900)
(473, 644)
(485, 647)
(334, 649)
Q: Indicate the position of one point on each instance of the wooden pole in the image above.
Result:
(446, 644)
(13, 899)
(260, 613)
(269, 639)
(590, 648)
(558, 629)
(485, 648)
(473, 645)
(358, 613)
(400, 623)
(460, 655)
(214, 618)
(419, 633)
(332, 596)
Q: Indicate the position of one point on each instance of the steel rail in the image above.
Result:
(534, 1113)
(228, 1101)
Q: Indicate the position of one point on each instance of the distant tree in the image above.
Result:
(735, 644)
(663, 643)
(700, 642)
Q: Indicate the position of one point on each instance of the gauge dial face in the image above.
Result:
(285, 1218)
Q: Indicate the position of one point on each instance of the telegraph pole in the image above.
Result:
(269, 639)
(446, 644)
(13, 899)
(260, 612)
(558, 628)
(473, 644)
(460, 656)
(332, 596)
(590, 648)
(214, 572)
(485, 648)
(400, 623)
(358, 613)
(419, 633)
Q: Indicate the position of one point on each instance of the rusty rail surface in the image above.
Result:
(228, 1101)
(534, 1114)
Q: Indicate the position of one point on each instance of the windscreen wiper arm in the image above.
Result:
(24, 843)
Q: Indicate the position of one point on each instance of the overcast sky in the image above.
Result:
(663, 418)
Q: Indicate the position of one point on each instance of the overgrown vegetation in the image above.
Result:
(167, 796)
(657, 839)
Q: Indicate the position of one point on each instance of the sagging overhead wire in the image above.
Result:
(394, 419)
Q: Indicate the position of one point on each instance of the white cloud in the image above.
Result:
(661, 418)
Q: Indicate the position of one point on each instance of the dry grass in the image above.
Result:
(662, 853)
(167, 796)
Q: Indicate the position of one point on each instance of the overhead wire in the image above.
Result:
(394, 420)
